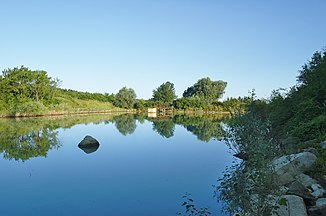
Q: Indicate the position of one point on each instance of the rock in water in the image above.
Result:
(89, 144)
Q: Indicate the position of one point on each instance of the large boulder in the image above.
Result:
(289, 166)
(89, 144)
(291, 206)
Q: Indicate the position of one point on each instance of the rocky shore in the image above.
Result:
(301, 194)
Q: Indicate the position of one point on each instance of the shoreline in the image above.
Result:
(61, 113)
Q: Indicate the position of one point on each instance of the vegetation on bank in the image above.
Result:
(288, 122)
(25, 92)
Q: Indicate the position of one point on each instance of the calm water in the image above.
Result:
(143, 166)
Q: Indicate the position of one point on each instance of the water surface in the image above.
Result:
(143, 166)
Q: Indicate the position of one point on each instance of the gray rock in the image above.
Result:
(289, 166)
(319, 209)
(89, 144)
(296, 188)
(323, 144)
(318, 190)
(305, 180)
(293, 206)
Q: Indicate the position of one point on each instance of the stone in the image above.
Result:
(296, 188)
(323, 144)
(293, 206)
(319, 209)
(89, 144)
(305, 180)
(318, 190)
(289, 166)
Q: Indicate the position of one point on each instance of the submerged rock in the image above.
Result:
(89, 144)
(289, 166)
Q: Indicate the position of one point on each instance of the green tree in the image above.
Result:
(125, 98)
(165, 93)
(206, 89)
(25, 83)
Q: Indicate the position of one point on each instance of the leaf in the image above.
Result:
(283, 202)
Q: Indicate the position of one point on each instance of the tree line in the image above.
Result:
(33, 91)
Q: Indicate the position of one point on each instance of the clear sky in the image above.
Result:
(101, 46)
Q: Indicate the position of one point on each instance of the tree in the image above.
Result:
(125, 98)
(25, 83)
(165, 93)
(206, 89)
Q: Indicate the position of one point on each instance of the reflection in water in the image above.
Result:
(22, 139)
(164, 127)
(25, 138)
(126, 123)
(205, 127)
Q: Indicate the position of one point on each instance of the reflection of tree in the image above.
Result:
(204, 127)
(165, 127)
(20, 141)
(126, 124)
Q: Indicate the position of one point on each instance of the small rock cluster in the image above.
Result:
(303, 196)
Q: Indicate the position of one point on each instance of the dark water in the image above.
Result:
(143, 166)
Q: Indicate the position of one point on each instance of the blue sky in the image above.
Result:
(101, 46)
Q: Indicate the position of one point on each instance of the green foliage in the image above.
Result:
(246, 186)
(191, 209)
(87, 95)
(206, 90)
(125, 98)
(236, 106)
(165, 93)
(23, 82)
(25, 91)
(187, 103)
(302, 109)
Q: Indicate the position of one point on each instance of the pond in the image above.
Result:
(143, 166)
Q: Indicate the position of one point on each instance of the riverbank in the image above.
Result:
(68, 112)
(301, 177)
